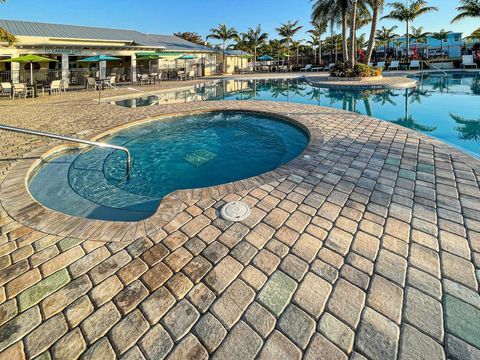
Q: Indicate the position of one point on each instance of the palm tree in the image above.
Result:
(386, 35)
(334, 11)
(224, 34)
(5, 35)
(441, 35)
(319, 28)
(377, 8)
(256, 38)
(420, 36)
(287, 32)
(469, 129)
(190, 36)
(314, 43)
(353, 29)
(408, 13)
(469, 9)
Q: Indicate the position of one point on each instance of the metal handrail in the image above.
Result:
(70, 139)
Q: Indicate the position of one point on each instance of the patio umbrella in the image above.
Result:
(98, 59)
(30, 59)
(265, 58)
(149, 57)
(186, 57)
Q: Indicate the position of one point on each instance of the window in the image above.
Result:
(445, 40)
(457, 38)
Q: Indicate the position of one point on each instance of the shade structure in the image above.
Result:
(265, 58)
(149, 57)
(98, 58)
(25, 59)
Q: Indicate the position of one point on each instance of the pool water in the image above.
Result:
(185, 152)
(444, 106)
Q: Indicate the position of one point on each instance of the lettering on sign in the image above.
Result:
(64, 51)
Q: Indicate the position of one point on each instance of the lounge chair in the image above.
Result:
(307, 67)
(111, 81)
(395, 64)
(467, 60)
(381, 64)
(63, 85)
(144, 79)
(415, 64)
(317, 68)
(6, 89)
(22, 89)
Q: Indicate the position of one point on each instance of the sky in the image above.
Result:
(167, 16)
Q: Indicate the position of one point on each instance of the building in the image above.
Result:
(452, 45)
(69, 43)
(235, 60)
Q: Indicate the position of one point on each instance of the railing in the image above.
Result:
(70, 139)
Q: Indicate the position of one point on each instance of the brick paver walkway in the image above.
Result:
(372, 251)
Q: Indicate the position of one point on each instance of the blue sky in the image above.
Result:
(166, 16)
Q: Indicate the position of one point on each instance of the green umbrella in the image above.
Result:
(98, 58)
(25, 59)
(186, 57)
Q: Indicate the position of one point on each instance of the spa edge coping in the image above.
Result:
(18, 202)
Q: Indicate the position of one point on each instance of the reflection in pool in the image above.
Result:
(446, 107)
(185, 152)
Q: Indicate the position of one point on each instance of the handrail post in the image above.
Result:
(70, 139)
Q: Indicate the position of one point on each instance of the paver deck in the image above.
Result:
(371, 250)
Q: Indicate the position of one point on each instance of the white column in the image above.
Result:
(15, 71)
(65, 70)
(133, 69)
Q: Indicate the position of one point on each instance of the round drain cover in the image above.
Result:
(235, 211)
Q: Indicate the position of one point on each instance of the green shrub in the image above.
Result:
(359, 70)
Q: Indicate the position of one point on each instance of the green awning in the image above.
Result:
(161, 54)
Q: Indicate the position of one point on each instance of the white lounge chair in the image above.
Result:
(307, 67)
(6, 89)
(111, 81)
(415, 64)
(317, 68)
(467, 60)
(395, 64)
(381, 64)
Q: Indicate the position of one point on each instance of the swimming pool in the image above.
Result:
(444, 106)
(186, 152)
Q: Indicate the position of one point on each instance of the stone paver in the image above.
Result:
(367, 249)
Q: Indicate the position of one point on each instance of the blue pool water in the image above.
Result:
(446, 107)
(186, 152)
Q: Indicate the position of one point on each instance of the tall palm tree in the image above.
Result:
(319, 28)
(385, 36)
(408, 13)
(287, 32)
(441, 35)
(334, 11)
(224, 34)
(256, 38)
(377, 8)
(353, 29)
(468, 9)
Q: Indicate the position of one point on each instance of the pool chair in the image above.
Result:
(6, 89)
(63, 85)
(381, 64)
(91, 83)
(22, 89)
(467, 60)
(394, 65)
(54, 87)
(317, 68)
(415, 64)
(307, 67)
(111, 81)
